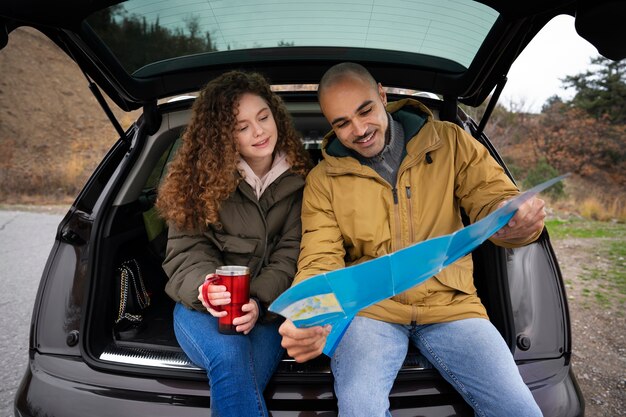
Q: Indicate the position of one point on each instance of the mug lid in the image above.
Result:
(232, 270)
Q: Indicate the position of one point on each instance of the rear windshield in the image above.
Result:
(141, 32)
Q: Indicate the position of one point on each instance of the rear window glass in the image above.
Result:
(141, 32)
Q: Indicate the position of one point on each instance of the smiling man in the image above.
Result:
(392, 176)
(364, 128)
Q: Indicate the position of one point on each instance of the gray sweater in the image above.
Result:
(387, 162)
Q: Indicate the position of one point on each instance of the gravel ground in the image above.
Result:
(598, 330)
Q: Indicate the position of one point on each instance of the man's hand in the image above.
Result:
(303, 344)
(526, 222)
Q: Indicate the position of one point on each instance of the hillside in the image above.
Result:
(53, 133)
(52, 130)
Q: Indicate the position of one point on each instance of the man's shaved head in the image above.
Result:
(342, 71)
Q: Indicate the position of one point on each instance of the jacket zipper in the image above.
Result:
(396, 213)
(262, 263)
(410, 211)
(396, 242)
(258, 207)
(411, 241)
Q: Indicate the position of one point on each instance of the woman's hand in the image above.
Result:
(246, 322)
(216, 296)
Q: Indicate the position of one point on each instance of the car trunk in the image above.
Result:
(130, 229)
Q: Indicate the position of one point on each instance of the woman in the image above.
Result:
(232, 196)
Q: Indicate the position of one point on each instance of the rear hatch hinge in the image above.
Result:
(491, 105)
(107, 109)
(98, 95)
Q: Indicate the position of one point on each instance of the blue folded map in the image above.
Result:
(336, 297)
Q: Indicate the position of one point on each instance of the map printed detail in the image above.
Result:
(313, 306)
(335, 297)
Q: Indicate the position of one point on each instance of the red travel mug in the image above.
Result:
(236, 279)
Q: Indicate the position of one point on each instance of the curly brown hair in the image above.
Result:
(203, 173)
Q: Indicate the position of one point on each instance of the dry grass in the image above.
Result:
(593, 200)
(594, 209)
(53, 133)
(52, 175)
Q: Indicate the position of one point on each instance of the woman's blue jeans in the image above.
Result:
(470, 354)
(238, 366)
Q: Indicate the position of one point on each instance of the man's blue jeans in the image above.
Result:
(238, 366)
(470, 354)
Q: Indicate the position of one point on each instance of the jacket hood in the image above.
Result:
(412, 114)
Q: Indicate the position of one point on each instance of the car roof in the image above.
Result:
(140, 51)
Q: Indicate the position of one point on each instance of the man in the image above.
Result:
(392, 176)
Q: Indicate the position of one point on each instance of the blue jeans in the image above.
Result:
(470, 354)
(238, 366)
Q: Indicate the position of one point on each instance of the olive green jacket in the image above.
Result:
(351, 215)
(262, 234)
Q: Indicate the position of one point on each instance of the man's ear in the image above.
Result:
(382, 93)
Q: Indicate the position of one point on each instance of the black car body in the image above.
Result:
(80, 363)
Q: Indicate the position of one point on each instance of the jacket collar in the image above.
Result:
(287, 183)
(259, 185)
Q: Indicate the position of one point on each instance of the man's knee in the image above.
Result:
(361, 400)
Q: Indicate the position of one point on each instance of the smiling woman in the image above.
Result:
(219, 214)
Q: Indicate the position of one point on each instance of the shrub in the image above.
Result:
(543, 171)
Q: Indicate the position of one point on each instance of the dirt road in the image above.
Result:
(598, 330)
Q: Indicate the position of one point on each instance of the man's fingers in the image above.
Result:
(289, 330)
(531, 219)
(528, 220)
(305, 353)
(303, 344)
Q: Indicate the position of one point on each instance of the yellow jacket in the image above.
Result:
(351, 215)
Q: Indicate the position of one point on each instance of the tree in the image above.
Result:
(136, 42)
(505, 127)
(571, 140)
(601, 92)
(551, 101)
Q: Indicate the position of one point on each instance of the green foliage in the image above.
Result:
(580, 228)
(136, 43)
(543, 171)
(601, 93)
(515, 170)
(551, 102)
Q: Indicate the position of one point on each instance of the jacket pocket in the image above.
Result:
(458, 276)
(235, 244)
